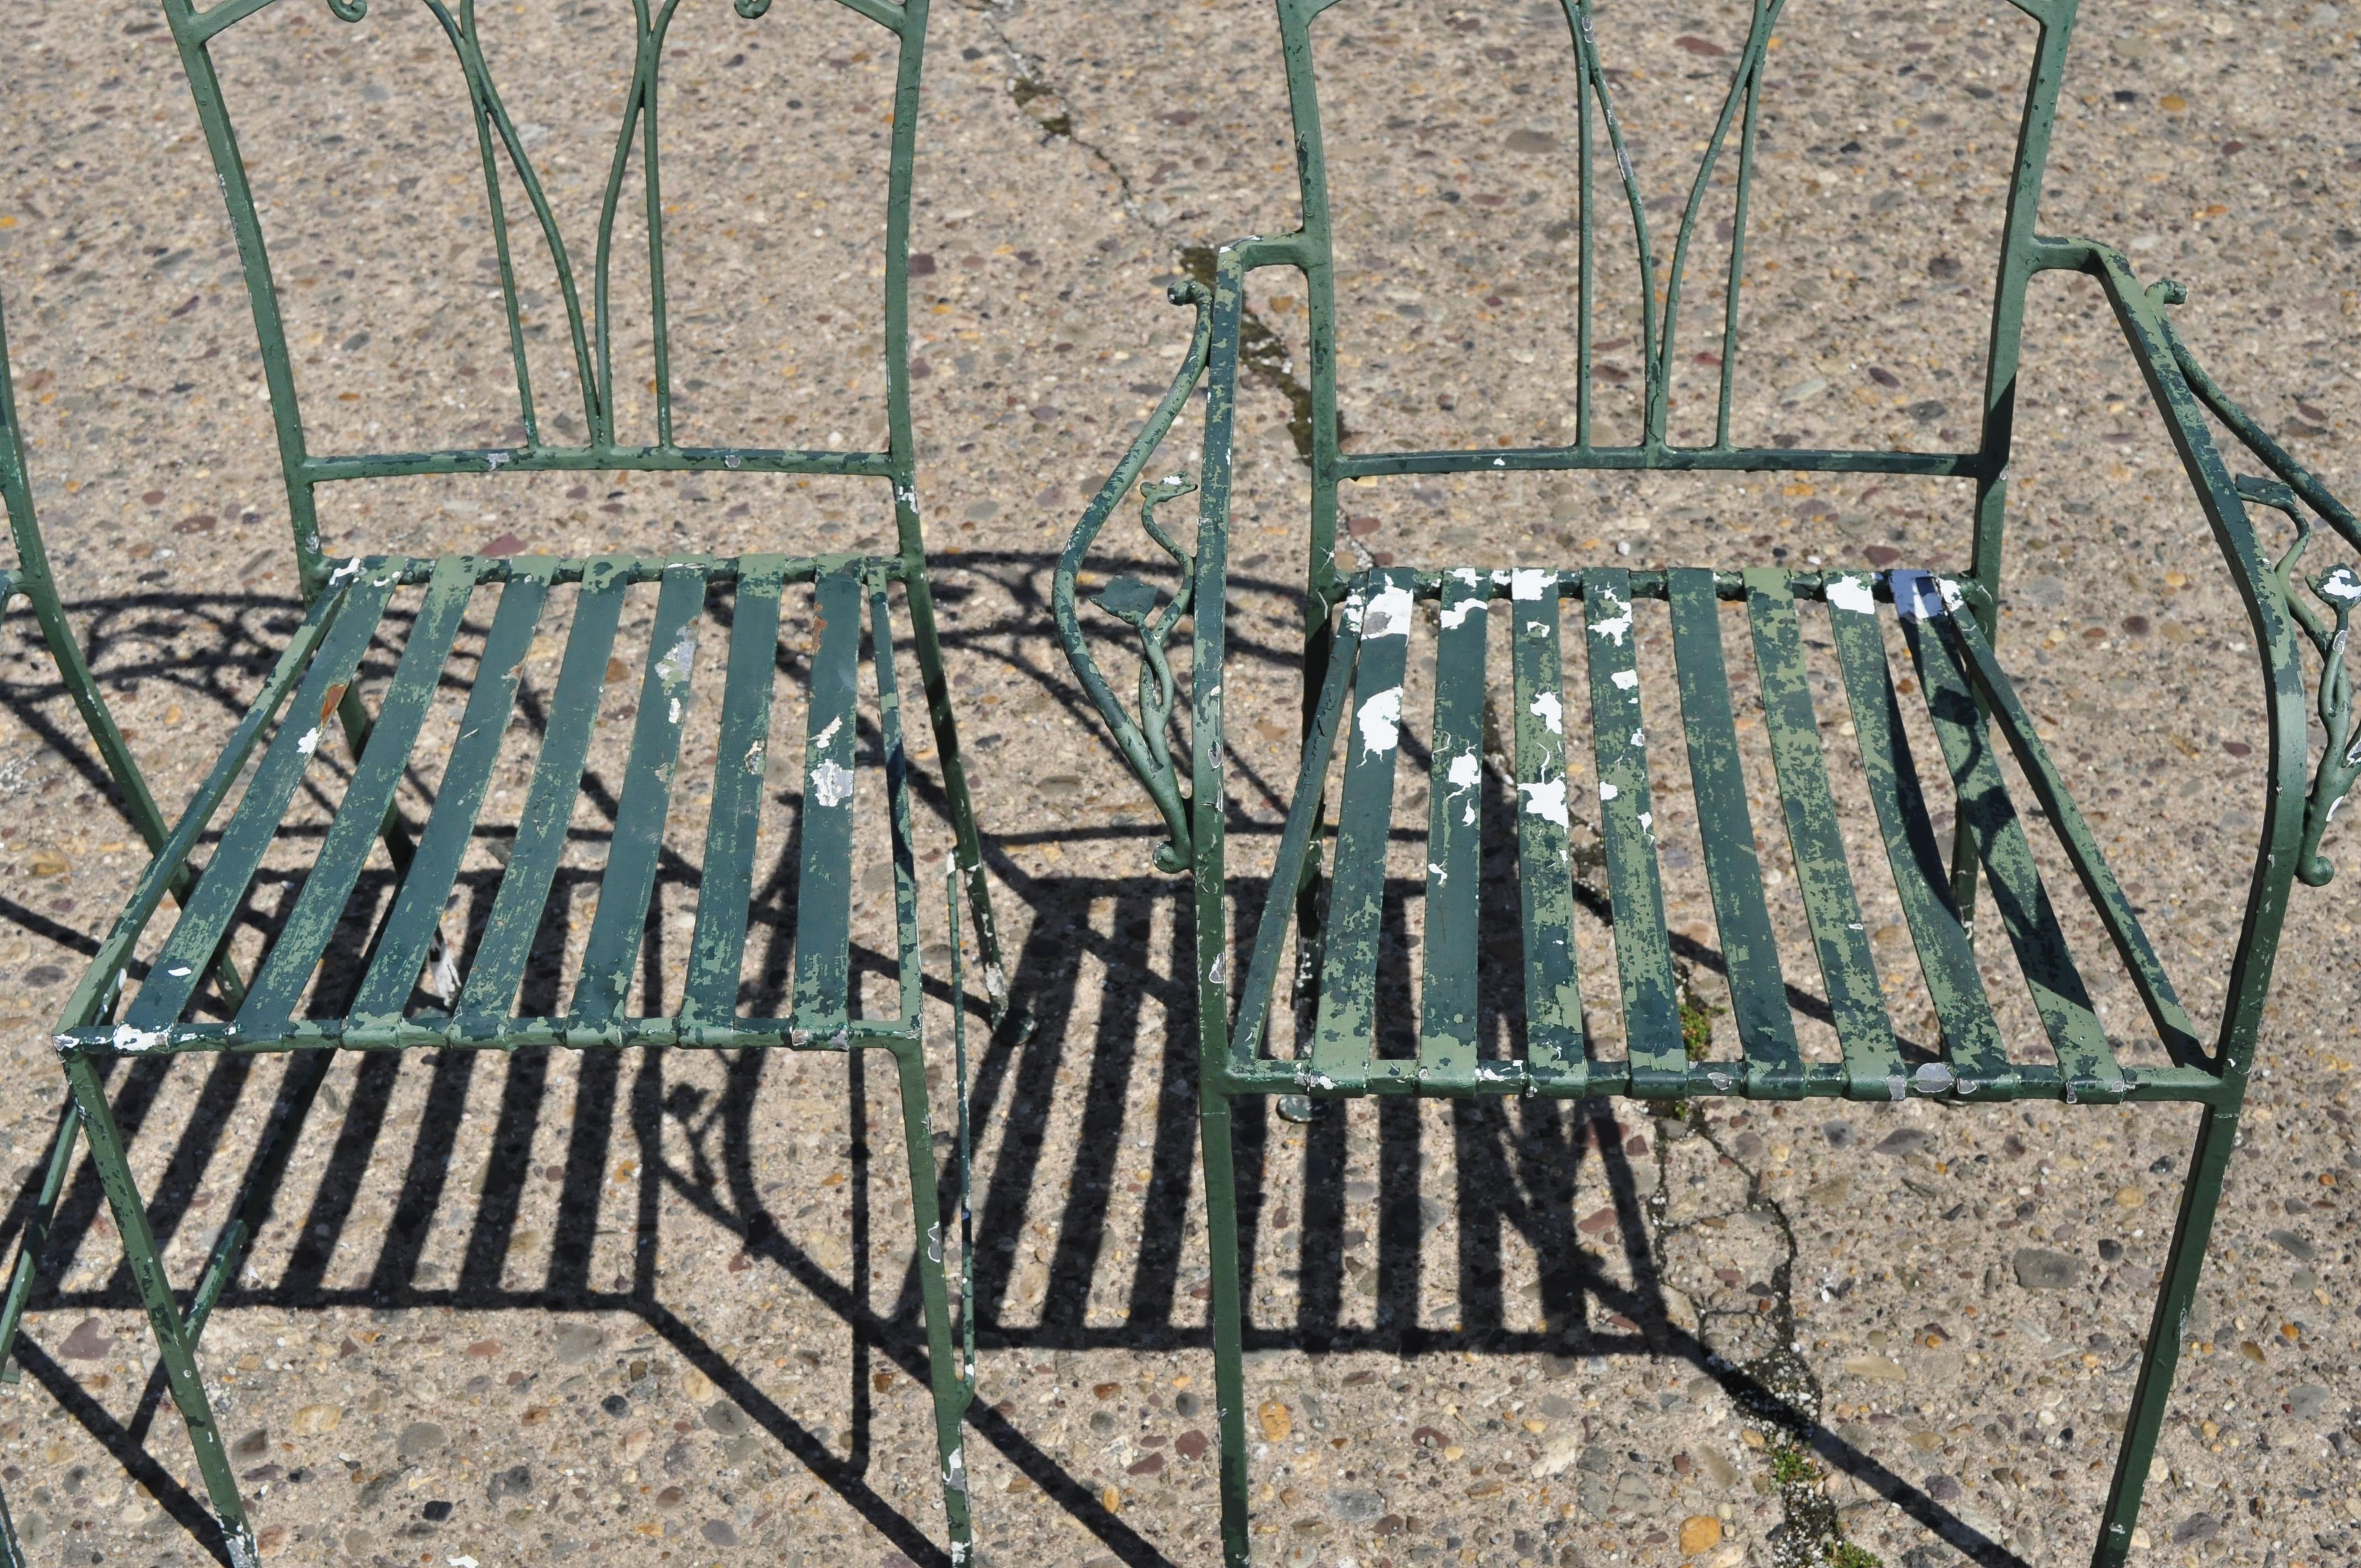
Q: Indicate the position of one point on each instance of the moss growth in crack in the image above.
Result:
(1696, 1025)
(1845, 1555)
(1789, 1467)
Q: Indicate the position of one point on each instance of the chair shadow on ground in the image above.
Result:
(1517, 1164)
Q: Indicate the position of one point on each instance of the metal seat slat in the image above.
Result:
(1454, 849)
(360, 816)
(1344, 1034)
(824, 885)
(2086, 1062)
(489, 991)
(1644, 957)
(1831, 905)
(408, 934)
(901, 835)
(221, 891)
(636, 848)
(2172, 1022)
(1556, 1054)
(710, 997)
(1971, 1037)
(1758, 989)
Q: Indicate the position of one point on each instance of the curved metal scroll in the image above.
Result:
(1145, 743)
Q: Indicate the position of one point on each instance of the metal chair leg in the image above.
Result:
(173, 1344)
(2207, 1166)
(1229, 1321)
(945, 1372)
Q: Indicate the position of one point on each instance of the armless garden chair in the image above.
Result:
(1357, 661)
(417, 986)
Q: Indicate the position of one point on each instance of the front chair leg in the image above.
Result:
(949, 1377)
(1229, 1321)
(2207, 1166)
(172, 1345)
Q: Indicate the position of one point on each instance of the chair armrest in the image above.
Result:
(1145, 743)
(2184, 393)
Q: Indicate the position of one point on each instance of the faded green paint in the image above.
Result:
(824, 890)
(1448, 999)
(1627, 820)
(1766, 1030)
(1816, 838)
(1556, 1035)
(1345, 1032)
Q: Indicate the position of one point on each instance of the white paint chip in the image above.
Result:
(1380, 722)
(1625, 680)
(1853, 593)
(1549, 711)
(831, 784)
(1527, 583)
(1545, 800)
(1388, 614)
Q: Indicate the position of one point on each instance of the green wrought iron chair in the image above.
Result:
(1356, 660)
(125, 1008)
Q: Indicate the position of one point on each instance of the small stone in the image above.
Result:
(1355, 1507)
(1699, 1533)
(516, 1481)
(578, 1343)
(2129, 1196)
(1829, 1194)
(727, 1418)
(1904, 1141)
(312, 1421)
(2196, 1527)
(2288, 1241)
(697, 1385)
(419, 1439)
(253, 1446)
(1186, 1405)
(719, 1532)
(1838, 1133)
(1192, 1444)
(670, 1498)
(88, 1341)
(1944, 1488)
(2308, 1400)
(2038, 1268)
(1276, 1421)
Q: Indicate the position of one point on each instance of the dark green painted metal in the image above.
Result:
(1643, 955)
(1295, 842)
(1848, 967)
(197, 937)
(2172, 1024)
(1758, 990)
(489, 995)
(1997, 837)
(1556, 1040)
(1979, 1066)
(824, 890)
(304, 933)
(717, 948)
(1939, 896)
(902, 843)
(613, 944)
(1346, 1035)
(410, 931)
(172, 1343)
(1454, 842)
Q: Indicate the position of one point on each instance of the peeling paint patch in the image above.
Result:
(1380, 722)
(820, 740)
(1528, 583)
(1853, 593)
(1545, 800)
(672, 668)
(2342, 584)
(1549, 711)
(1608, 791)
(1388, 614)
(131, 1041)
(1625, 680)
(1934, 1077)
(831, 783)
(309, 743)
(754, 757)
(1455, 614)
(1915, 595)
(1616, 627)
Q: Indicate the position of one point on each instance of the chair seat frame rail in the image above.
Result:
(1356, 637)
(119, 1012)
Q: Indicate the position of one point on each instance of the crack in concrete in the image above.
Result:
(1778, 1395)
(1263, 354)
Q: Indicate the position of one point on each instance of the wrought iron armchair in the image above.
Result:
(427, 988)
(1356, 654)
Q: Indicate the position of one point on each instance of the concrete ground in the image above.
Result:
(658, 1309)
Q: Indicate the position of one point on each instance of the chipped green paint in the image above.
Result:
(1448, 998)
(1939, 899)
(1644, 959)
(1556, 1035)
(1766, 1029)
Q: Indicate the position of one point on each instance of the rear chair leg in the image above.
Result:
(2207, 1167)
(1229, 1322)
(35, 1240)
(172, 1345)
(944, 1372)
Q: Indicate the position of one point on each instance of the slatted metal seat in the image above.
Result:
(474, 622)
(1341, 896)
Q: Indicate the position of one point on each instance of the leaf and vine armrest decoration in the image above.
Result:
(1144, 742)
(2338, 589)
